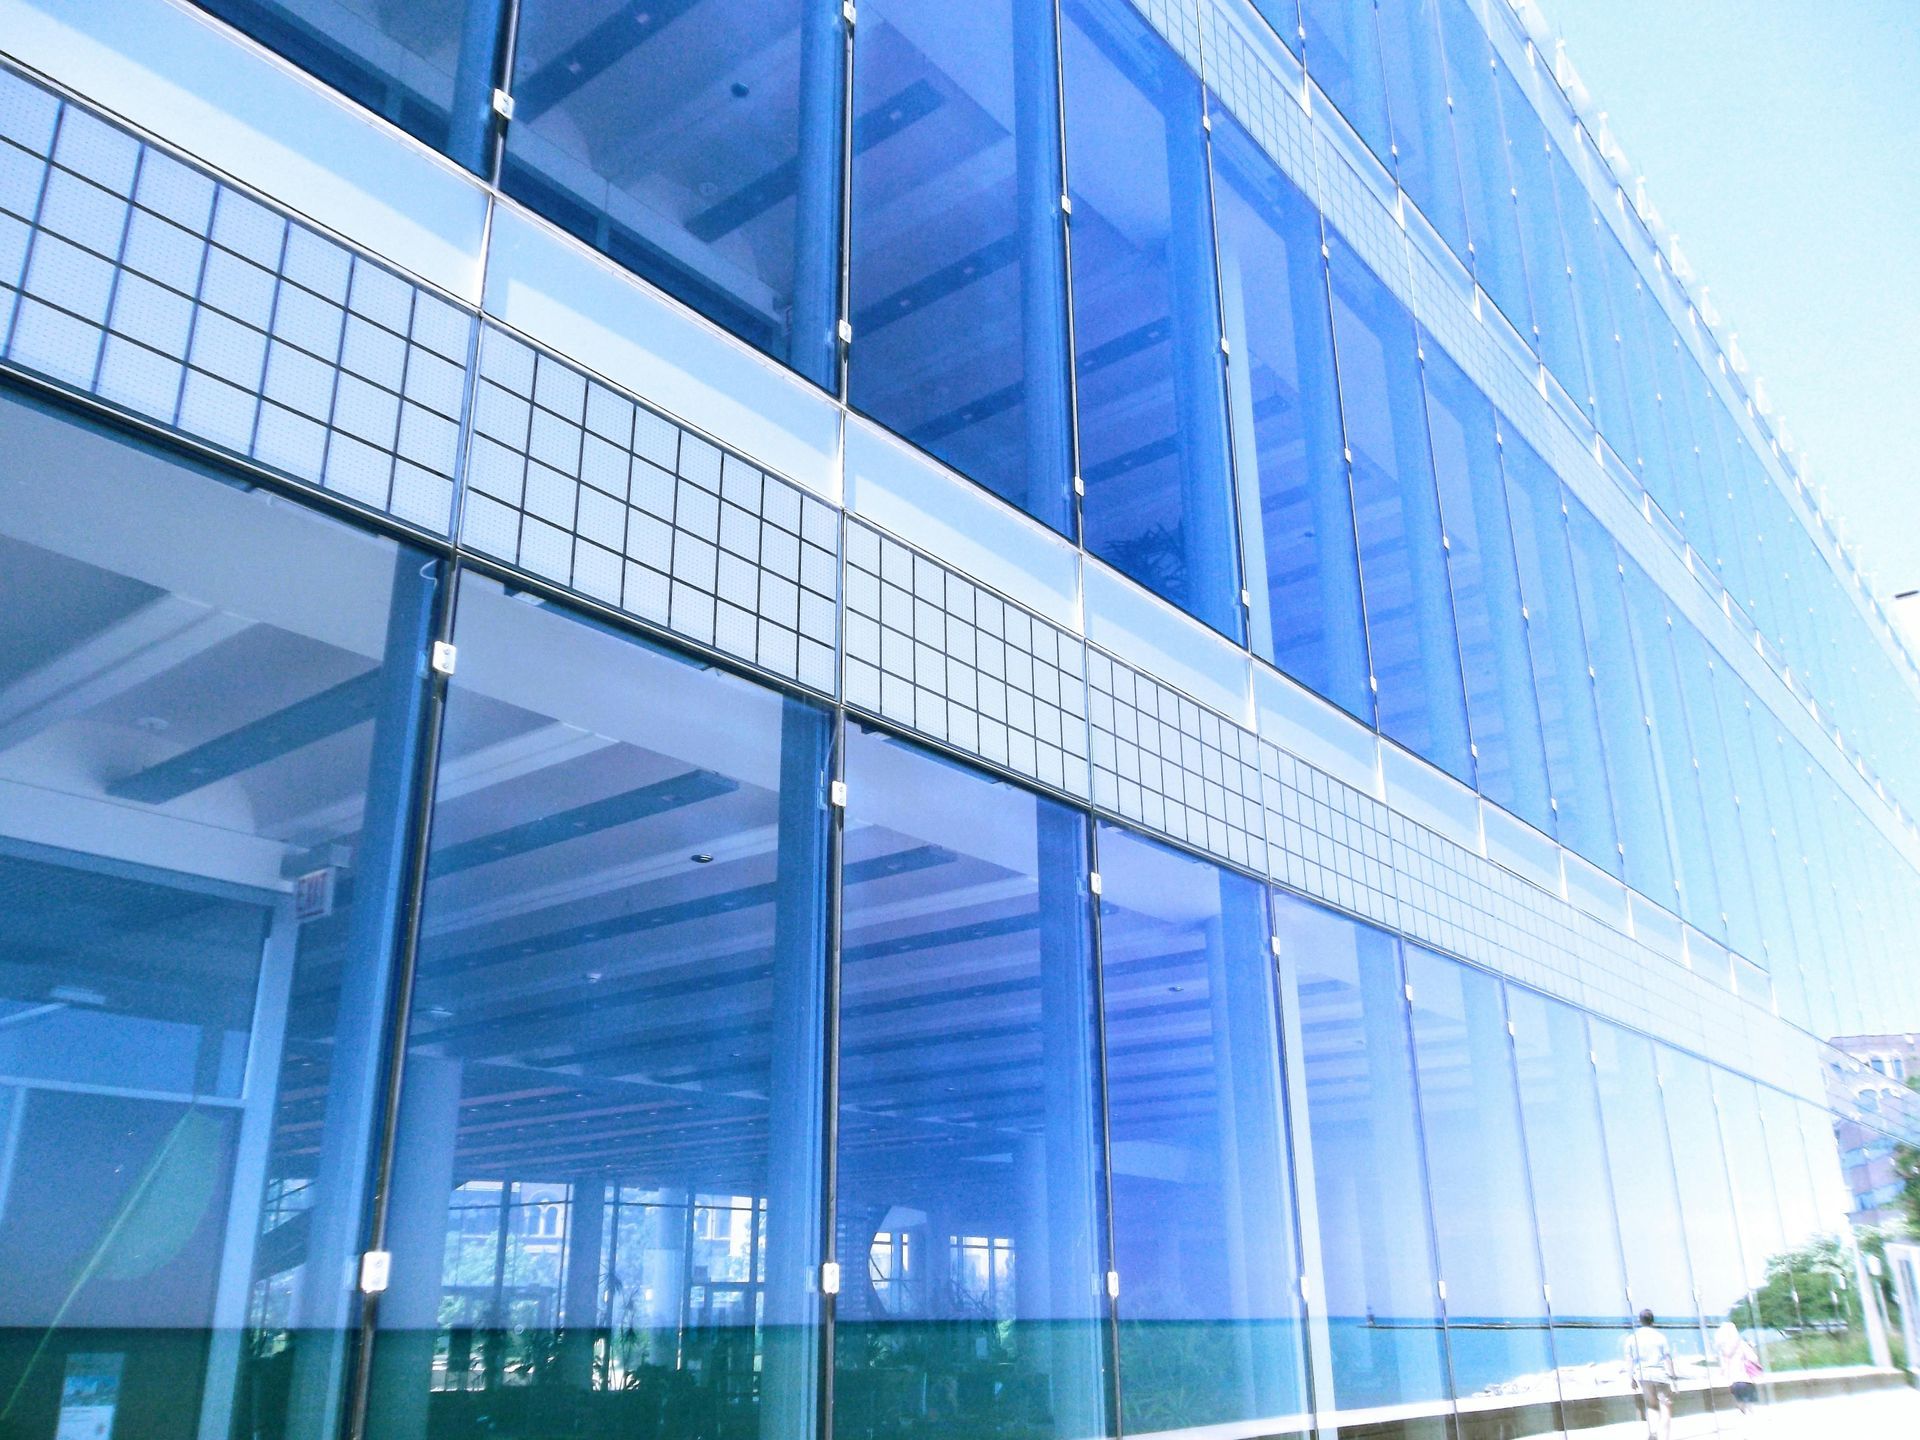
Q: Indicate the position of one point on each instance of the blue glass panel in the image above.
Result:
(700, 150)
(1623, 709)
(958, 278)
(1483, 1224)
(1755, 1205)
(1706, 1196)
(1151, 390)
(1776, 870)
(1342, 54)
(1693, 514)
(1676, 772)
(428, 69)
(1720, 797)
(1284, 18)
(1382, 1306)
(1573, 1196)
(1203, 1225)
(1485, 175)
(1296, 511)
(968, 1223)
(208, 693)
(1636, 363)
(1646, 1195)
(1403, 570)
(1583, 815)
(1423, 143)
(1510, 759)
(607, 1197)
(1579, 228)
(1530, 160)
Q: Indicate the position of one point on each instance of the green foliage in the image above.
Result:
(1807, 1289)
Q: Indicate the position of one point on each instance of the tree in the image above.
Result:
(1807, 1288)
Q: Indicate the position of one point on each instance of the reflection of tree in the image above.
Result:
(1807, 1289)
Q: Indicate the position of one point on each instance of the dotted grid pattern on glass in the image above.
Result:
(930, 650)
(1344, 848)
(1165, 761)
(132, 276)
(590, 488)
(1261, 100)
(1353, 208)
(1178, 22)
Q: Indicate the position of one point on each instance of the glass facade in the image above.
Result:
(634, 948)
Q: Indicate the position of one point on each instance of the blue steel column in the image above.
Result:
(476, 70)
(1209, 546)
(813, 342)
(1039, 183)
(326, 1304)
(796, 1168)
(1058, 1301)
(1253, 1177)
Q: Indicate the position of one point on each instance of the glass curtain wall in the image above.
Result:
(1403, 565)
(1580, 1252)
(427, 68)
(1149, 375)
(958, 270)
(1203, 1225)
(605, 1198)
(1500, 1351)
(1296, 511)
(1509, 755)
(970, 1218)
(698, 143)
(211, 708)
(1387, 1344)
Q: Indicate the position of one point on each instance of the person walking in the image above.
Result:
(1740, 1367)
(1650, 1359)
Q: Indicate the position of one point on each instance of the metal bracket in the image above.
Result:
(376, 1269)
(443, 657)
(837, 794)
(1093, 881)
(830, 1277)
(846, 332)
(503, 104)
(1113, 1284)
(1066, 205)
(1079, 486)
(846, 12)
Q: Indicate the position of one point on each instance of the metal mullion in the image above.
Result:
(1097, 959)
(400, 998)
(830, 1069)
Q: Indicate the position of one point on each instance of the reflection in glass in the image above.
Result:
(1529, 159)
(1510, 758)
(1486, 174)
(1582, 807)
(1388, 1352)
(427, 68)
(958, 269)
(1647, 1198)
(1296, 511)
(605, 1199)
(969, 1140)
(1342, 53)
(699, 145)
(1418, 105)
(1396, 512)
(210, 706)
(1151, 387)
(1708, 1213)
(1502, 1357)
(1622, 709)
(1757, 1210)
(1202, 1221)
(1573, 1195)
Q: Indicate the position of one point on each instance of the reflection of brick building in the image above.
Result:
(1875, 1106)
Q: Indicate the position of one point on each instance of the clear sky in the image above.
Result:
(1780, 139)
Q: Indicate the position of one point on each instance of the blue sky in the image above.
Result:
(1781, 142)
